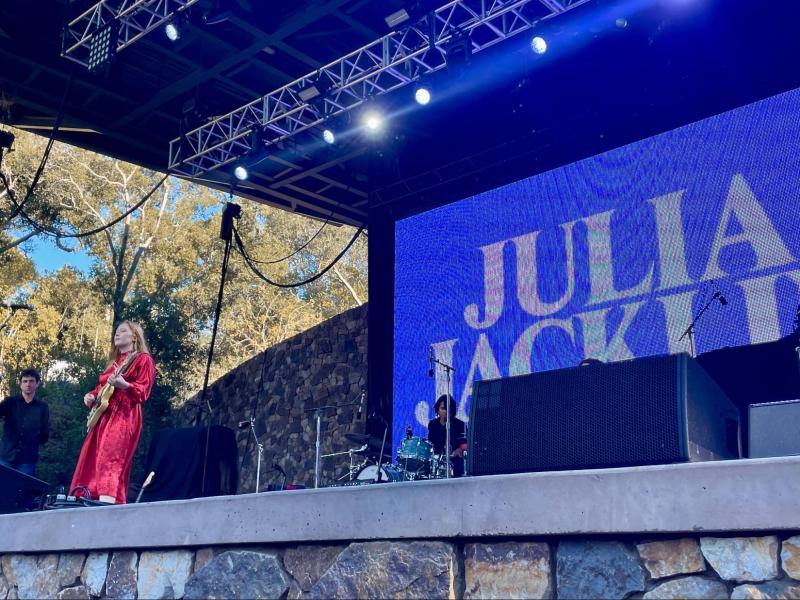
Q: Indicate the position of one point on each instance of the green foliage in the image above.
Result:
(160, 266)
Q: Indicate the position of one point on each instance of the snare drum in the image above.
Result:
(388, 473)
(415, 455)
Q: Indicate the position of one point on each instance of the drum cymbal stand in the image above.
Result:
(318, 420)
(353, 469)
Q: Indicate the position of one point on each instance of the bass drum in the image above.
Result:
(388, 473)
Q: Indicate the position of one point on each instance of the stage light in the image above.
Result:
(103, 46)
(539, 45)
(422, 95)
(397, 18)
(328, 136)
(621, 23)
(373, 121)
(240, 172)
(172, 32)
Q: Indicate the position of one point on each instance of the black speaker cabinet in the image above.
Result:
(775, 429)
(660, 409)
(16, 488)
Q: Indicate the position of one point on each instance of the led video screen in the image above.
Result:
(610, 258)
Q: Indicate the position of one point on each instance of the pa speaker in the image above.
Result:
(654, 410)
(775, 429)
(16, 490)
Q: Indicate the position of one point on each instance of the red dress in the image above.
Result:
(104, 464)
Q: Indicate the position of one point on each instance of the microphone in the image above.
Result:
(409, 432)
(430, 361)
(244, 424)
(718, 294)
(360, 405)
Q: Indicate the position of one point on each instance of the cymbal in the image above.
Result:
(358, 438)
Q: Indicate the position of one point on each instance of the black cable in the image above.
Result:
(64, 235)
(288, 256)
(260, 275)
(56, 125)
(217, 312)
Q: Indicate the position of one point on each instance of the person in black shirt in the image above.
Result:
(27, 424)
(437, 433)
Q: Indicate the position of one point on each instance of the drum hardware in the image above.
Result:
(318, 421)
(415, 455)
(354, 468)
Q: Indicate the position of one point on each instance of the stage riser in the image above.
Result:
(529, 534)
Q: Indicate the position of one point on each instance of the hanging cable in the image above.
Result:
(232, 211)
(248, 259)
(288, 256)
(52, 232)
(56, 125)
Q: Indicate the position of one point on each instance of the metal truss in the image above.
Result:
(134, 19)
(391, 62)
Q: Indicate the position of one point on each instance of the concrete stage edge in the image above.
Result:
(727, 496)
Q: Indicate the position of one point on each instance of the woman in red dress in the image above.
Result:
(104, 464)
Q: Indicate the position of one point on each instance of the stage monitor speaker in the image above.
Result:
(660, 409)
(17, 488)
(774, 429)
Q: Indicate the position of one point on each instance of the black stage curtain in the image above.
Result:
(748, 375)
(176, 457)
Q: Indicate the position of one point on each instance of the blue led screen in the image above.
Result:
(609, 258)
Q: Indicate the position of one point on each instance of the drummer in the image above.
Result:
(437, 433)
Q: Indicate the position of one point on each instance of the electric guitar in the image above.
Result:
(101, 402)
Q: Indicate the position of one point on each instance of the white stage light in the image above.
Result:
(373, 121)
(172, 32)
(539, 45)
(240, 172)
(328, 136)
(422, 96)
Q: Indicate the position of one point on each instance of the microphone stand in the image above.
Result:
(689, 331)
(318, 420)
(260, 447)
(448, 369)
(383, 445)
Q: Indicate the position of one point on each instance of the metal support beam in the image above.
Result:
(134, 19)
(391, 62)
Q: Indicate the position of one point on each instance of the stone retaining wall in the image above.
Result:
(759, 566)
(324, 365)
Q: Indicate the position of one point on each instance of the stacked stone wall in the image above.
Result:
(325, 365)
(758, 566)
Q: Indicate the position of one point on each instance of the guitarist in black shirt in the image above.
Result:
(27, 424)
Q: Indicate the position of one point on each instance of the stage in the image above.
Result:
(544, 534)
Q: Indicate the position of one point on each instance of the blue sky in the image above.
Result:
(49, 258)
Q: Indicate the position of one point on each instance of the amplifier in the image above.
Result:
(774, 429)
(653, 410)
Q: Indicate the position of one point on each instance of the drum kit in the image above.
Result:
(415, 461)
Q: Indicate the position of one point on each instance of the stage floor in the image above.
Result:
(725, 496)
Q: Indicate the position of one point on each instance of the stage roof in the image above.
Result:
(615, 72)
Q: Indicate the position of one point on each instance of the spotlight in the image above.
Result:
(103, 46)
(373, 121)
(328, 136)
(397, 18)
(422, 95)
(240, 172)
(172, 32)
(621, 23)
(539, 45)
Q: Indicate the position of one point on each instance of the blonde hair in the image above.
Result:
(139, 343)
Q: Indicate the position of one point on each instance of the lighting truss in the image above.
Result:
(391, 62)
(133, 19)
